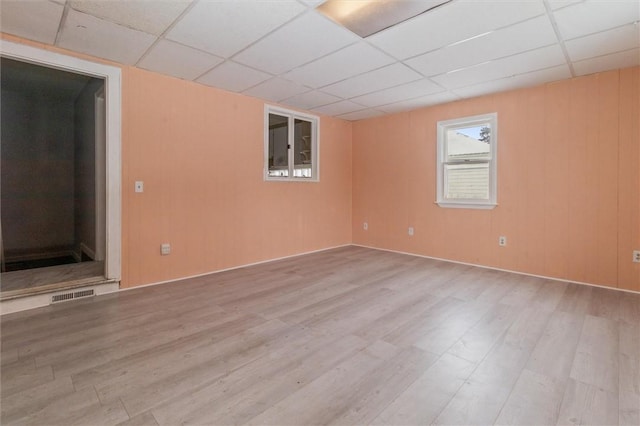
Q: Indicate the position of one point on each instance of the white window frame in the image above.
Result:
(315, 144)
(460, 123)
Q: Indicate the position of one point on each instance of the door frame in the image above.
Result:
(100, 173)
(113, 112)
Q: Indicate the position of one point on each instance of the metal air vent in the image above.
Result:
(63, 297)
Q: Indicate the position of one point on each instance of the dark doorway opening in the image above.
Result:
(52, 180)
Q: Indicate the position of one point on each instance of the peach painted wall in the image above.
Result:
(568, 182)
(199, 151)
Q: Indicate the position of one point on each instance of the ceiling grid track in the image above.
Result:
(63, 20)
(554, 24)
(291, 53)
(161, 36)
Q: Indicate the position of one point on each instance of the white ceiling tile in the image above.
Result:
(361, 115)
(345, 63)
(594, 16)
(276, 89)
(342, 107)
(389, 76)
(515, 82)
(34, 20)
(94, 36)
(399, 93)
(533, 60)
(450, 23)
(225, 27)
(150, 16)
(306, 38)
(233, 77)
(180, 61)
(628, 58)
(310, 100)
(557, 4)
(312, 3)
(611, 41)
(528, 35)
(283, 48)
(421, 102)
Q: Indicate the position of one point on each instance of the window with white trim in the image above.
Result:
(467, 154)
(290, 145)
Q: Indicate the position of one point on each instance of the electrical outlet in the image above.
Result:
(502, 241)
(165, 249)
(365, 226)
(636, 256)
(411, 231)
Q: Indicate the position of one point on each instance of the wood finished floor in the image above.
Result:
(348, 336)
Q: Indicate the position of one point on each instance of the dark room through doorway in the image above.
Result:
(53, 178)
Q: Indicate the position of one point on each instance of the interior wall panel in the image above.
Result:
(629, 178)
(568, 183)
(569, 189)
(199, 151)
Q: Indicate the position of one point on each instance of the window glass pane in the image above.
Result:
(278, 145)
(302, 153)
(290, 146)
(303, 172)
(469, 143)
(467, 181)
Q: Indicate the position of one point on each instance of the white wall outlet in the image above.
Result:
(636, 256)
(165, 249)
(365, 226)
(502, 241)
(410, 231)
(139, 186)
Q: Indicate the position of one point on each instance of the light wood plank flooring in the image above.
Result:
(348, 336)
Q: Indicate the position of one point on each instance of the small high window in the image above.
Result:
(291, 145)
(467, 162)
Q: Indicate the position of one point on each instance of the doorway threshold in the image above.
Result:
(21, 300)
(31, 281)
(53, 288)
(33, 288)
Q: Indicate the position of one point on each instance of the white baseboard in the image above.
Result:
(40, 300)
(498, 269)
(234, 267)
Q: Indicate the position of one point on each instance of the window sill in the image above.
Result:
(466, 205)
(288, 179)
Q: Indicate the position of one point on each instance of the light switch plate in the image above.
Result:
(139, 186)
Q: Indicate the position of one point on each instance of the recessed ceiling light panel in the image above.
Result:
(367, 17)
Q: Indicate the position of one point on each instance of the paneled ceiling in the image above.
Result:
(287, 52)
